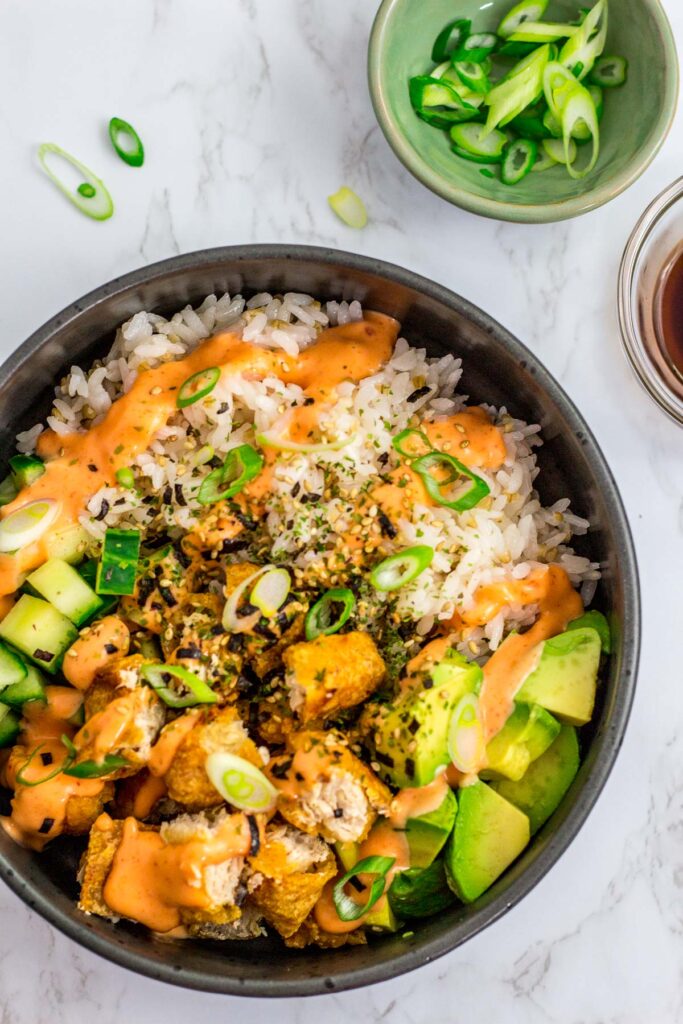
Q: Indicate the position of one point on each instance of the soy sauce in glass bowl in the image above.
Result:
(651, 300)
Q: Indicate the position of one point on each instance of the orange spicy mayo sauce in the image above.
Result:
(79, 464)
(39, 812)
(166, 747)
(151, 881)
(384, 841)
(468, 436)
(416, 801)
(558, 603)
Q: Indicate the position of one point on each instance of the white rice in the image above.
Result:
(510, 533)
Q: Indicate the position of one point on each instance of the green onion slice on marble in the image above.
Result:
(91, 197)
(126, 142)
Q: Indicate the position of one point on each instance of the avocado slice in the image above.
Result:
(546, 781)
(565, 679)
(427, 834)
(382, 914)
(410, 737)
(489, 834)
(420, 892)
(597, 621)
(528, 732)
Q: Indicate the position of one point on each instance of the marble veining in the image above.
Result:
(252, 112)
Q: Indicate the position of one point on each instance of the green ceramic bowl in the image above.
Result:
(636, 121)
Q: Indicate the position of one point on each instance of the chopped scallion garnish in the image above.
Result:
(91, 197)
(134, 152)
(348, 909)
(349, 207)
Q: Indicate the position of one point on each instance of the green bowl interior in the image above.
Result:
(634, 123)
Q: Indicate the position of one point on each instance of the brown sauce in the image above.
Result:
(671, 312)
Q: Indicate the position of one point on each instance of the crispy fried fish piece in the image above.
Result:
(120, 720)
(96, 862)
(325, 789)
(294, 868)
(331, 673)
(218, 883)
(310, 934)
(217, 729)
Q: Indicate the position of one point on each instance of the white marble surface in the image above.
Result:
(252, 112)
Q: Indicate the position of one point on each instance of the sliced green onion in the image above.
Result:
(466, 743)
(240, 782)
(233, 622)
(242, 464)
(543, 161)
(198, 386)
(323, 619)
(554, 150)
(478, 490)
(347, 908)
(473, 76)
(27, 524)
(587, 43)
(530, 124)
(472, 143)
(579, 109)
(573, 104)
(527, 10)
(349, 207)
(8, 491)
(118, 566)
(157, 677)
(86, 189)
(438, 101)
(445, 119)
(476, 47)
(427, 92)
(450, 38)
(520, 157)
(276, 438)
(520, 88)
(609, 72)
(516, 50)
(134, 153)
(271, 591)
(98, 204)
(20, 776)
(398, 570)
(96, 769)
(399, 442)
(125, 478)
(542, 32)
(598, 97)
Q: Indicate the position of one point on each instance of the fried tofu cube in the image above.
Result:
(217, 729)
(120, 722)
(56, 807)
(325, 790)
(215, 883)
(332, 673)
(290, 870)
(105, 836)
(194, 637)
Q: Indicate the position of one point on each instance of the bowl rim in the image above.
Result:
(522, 213)
(631, 334)
(607, 744)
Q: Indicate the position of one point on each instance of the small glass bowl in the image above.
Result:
(653, 248)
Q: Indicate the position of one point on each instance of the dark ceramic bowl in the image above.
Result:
(498, 369)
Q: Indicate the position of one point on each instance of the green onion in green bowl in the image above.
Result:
(585, 140)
